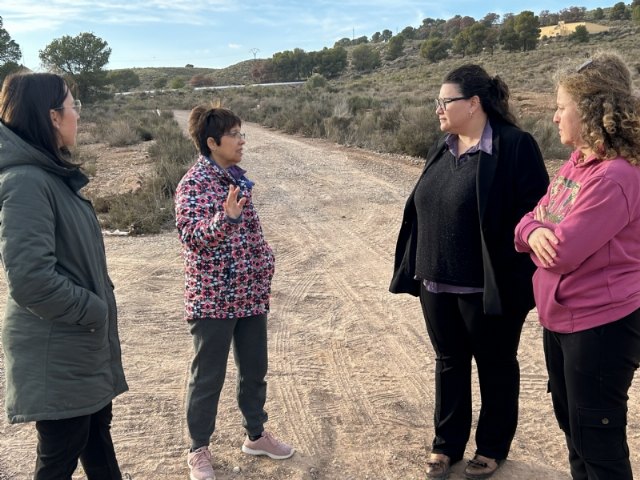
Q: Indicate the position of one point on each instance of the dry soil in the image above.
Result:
(350, 380)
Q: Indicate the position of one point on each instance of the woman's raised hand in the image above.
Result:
(233, 206)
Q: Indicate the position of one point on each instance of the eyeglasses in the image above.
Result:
(77, 106)
(442, 102)
(236, 135)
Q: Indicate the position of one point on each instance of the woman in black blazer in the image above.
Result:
(455, 251)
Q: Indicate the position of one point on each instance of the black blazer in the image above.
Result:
(509, 183)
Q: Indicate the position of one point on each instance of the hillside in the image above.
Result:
(524, 69)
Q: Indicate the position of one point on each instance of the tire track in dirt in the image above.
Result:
(351, 370)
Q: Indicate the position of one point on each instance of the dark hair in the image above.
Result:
(210, 122)
(25, 102)
(493, 92)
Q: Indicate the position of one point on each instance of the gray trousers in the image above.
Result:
(211, 342)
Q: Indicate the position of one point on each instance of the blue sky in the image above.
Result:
(219, 33)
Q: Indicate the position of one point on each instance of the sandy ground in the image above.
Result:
(351, 369)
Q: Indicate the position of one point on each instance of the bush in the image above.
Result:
(546, 134)
(149, 209)
(418, 130)
(316, 81)
(119, 133)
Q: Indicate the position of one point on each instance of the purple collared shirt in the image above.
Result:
(484, 145)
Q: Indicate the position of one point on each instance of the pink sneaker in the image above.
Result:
(268, 445)
(199, 463)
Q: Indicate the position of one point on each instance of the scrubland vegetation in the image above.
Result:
(388, 109)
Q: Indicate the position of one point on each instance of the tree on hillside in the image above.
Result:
(572, 14)
(619, 12)
(9, 54)
(376, 37)
(7, 69)
(429, 28)
(460, 43)
(408, 33)
(635, 14)
(435, 49)
(9, 49)
(395, 47)
(290, 65)
(491, 39)
(580, 35)
(329, 62)
(343, 42)
(365, 58)
(598, 14)
(455, 25)
(123, 80)
(547, 18)
(386, 35)
(81, 59)
(490, 19)
(527, 27)
(509, 38)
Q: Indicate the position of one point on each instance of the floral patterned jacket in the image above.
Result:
(228, 264)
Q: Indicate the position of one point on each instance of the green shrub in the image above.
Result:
(418, 130)
(316, 81)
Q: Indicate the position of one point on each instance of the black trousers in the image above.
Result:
(459, 331)
(88, 438)
(211, 342)
(590, 373)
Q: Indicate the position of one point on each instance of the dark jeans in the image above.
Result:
(590, 373)
(459, 330)
(62, 442)
(211, 341)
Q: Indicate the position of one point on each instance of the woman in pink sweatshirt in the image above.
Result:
(584, 237)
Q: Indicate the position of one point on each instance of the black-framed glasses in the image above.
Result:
(236, 135)
(77, 106)
(442, 102)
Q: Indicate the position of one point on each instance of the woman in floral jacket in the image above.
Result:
(228, 271)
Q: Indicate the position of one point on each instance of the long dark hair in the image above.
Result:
(492, 91)
(25, 102)
(210, 122)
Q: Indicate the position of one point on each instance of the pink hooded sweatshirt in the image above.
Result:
(594, 210)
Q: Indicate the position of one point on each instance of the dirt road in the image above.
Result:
(351, 370)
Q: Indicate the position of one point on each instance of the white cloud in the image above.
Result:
(234, 45)
(33, 15)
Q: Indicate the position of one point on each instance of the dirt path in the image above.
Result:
(351, 370)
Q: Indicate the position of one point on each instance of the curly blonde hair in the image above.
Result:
(609, 109)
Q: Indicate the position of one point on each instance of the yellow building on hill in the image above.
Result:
(562, 29)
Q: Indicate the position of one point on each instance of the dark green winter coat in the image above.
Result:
(60, 332)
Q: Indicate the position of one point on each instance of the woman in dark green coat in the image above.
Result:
(59, 335)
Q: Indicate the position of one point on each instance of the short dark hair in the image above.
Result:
(25, 102)
(210, 122)
(493, 92)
